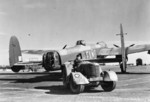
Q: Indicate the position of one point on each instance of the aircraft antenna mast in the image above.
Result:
(123, 47)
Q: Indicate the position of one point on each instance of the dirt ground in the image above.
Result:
(40, 86)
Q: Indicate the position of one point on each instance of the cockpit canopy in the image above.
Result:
(81, 42)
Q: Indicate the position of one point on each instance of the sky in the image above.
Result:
(50, 24)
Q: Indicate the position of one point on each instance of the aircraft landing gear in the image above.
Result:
(123, 70)
(16, 69)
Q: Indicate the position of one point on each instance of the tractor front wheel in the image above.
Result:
(76, 89)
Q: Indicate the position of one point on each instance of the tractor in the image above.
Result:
(87, 74)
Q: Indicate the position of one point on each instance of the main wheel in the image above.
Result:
(15, 69)
(109, 86)
(76, 89)
(123, 70)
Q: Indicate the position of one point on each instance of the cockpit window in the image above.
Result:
(81, 42)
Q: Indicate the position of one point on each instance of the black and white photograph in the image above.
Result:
(74, 50)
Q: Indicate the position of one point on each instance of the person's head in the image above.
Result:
(78, 56)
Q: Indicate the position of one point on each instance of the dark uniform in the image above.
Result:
(77, 61)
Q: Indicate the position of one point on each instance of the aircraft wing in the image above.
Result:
(28, 63)
(38, 52)
(129, 50)
(31, 61)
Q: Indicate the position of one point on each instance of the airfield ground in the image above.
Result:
(133, 86)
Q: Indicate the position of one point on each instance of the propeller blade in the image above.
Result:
(131, 45)
(116, 45)
(65, 46)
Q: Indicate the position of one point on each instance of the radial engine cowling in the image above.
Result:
(48, 61)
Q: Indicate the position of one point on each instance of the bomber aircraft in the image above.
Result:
(54, 59)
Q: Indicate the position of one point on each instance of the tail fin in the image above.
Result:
(121, 29)
(14, 51)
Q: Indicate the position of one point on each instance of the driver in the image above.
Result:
(77, 61)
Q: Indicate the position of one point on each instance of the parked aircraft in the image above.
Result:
(54, 59)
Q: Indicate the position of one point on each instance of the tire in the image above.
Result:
(64, 76)
(15, 69)
(46, 69)
(76, 89)
(121, 67)
(109, 86)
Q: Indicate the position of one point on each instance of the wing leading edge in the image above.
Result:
(129, 50)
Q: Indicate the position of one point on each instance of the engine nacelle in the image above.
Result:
(51, 61)
(48, 60)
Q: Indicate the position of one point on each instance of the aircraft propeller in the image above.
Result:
(116, 45)
(119, 46)
(131, 45)
(64, 46)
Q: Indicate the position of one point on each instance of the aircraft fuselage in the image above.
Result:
(53, 60)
